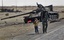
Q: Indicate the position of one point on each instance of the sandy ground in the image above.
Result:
(14, 30)
(7, 30)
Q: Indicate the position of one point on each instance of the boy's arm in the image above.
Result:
(38, 21)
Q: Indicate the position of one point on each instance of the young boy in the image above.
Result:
(36, 21)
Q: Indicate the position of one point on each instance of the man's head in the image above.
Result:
(40, 5)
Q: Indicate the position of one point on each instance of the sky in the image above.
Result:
(31, 2)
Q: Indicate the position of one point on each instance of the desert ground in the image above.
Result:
(14, 27)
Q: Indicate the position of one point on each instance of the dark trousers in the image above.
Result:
(36, 29)
(45, 25)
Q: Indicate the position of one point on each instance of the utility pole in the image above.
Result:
(2, 5)
(16, 5)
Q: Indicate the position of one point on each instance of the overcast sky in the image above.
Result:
(31, 2)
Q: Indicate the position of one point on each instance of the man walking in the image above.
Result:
(44, 18)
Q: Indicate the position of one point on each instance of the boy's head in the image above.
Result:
(36, 19)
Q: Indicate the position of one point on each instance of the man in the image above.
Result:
(44, 18)
(36, 21)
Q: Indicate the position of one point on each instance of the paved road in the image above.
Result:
(55, 32)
